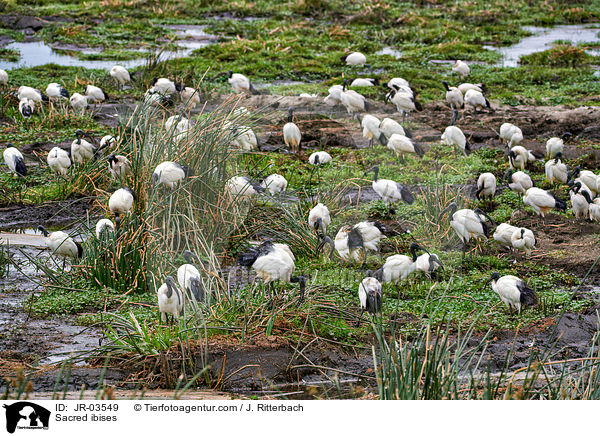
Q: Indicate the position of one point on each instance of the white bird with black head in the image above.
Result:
(58, 161)
(189, 277)
(170, 174)
(369, 296)
(14, 161)
(61, 244)
(390, 191)
(170, 300)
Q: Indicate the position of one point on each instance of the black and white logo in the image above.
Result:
(26, 415)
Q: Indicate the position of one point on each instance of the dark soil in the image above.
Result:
(50, 214)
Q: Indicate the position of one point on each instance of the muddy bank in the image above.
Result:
(49, 214)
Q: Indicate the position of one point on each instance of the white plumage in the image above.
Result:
(58, 161)
(503, 234)
(78, 102)
(453, 96)
(245, 138)
(94, 94)
(291, 133)
(486, 186)
(355, 58)
(595, 210)
(108, 141)
(364, 82)
(240, 185)
(61, 244)
(121, 201)
(587, 178)
(461, 69)
(177, 124)
(556, 170)
(369, 295)
(580, 201)
(523, 239)
(26, 107)
(119, 166)
(14, 161)
(476, 99)
(455, 137)
(319, 158)
(335, 95)
(239, 83)
(31, 93)
(319, 218)
(55, 91)
(519, 181)
(398, 82)
(275, 184)
(401, 144)
(190, 97)
(389, 127)
(189, 278)
(164, 86)
(427, 263)
(542, 201)
(467, 223)
(353, 101)
(464, 87)
(3, 77)
(388, 190)
(511, 134)
(518, 157)
(170, 299)
(169, 174)
(396, 268)
(404, 100)
(513, 291)
(103, 227)
(364, 235)
(81, 150)
(120, 74)
(371, 130)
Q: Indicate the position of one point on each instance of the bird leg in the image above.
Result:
(401, 295)
(454, 117)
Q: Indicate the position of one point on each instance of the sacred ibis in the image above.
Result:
(354, 58)
(319, 158)
(319, 218)
(542, 201)
(455, 99)
(371, 129)
(476, 100)
(486, 186)
(461, 69)
(120, 74)
(61, 244)
(104, 227)
(243, 186)
(455, 137)
(467, 223)
(241, 83)
(513, 291)
(503, 234)
(58, 161)
(518, 181)
(556, 145)
(291, 133)
(119, 166)
(120, 203)
(369, 295)
(556, 170)
(189, 277)
(275, 184)
(81, 150)
(55, 91)
(523, 239)
(14, 161)
(170, 300)
(401, 144)
(388, 190)
(170, 174)
(364, 235)
(273, 262)
(26, 107)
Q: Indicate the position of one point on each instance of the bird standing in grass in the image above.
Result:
(61, 244)
(518, 181)
(476, 100)
(401, 144)
(523, 239)
(319, 218)
(58, 161)
(513, 291)
(170, 300)
(364, 235)
(14, 161)
(189, 277)
(291, 133)
(510, 134)
(319, 158)
(503, 234)
(388, 127)
(120, 74)
(56, 92)
(397, 268)
(467, 223)
(486, 186)
(542, 201)
(275, 184)
(241, 83)
(81, 150)
(273, 262)
(455, 137)
(353, 101)
(32, 94)
(455, 99)
(119, 166)
(556, 145)
(370, 126)
(461, 69)
(120, 203)
(556, 170)
(388, 190)
(404, 99)
(369, 295)
(170, 174)
(79, 102)
(3, 77)
(94, 94)
(104, 227)
(190, 98)
(354, 58)
(243, 186)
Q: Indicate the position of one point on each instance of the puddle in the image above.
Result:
(35, 53)
(542, 39)
(390, 51)
(51, 340)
